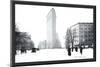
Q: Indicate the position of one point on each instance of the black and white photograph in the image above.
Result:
(50, 33)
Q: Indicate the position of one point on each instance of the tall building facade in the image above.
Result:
(51, 30)
(82, 34)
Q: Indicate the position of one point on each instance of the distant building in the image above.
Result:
(42, 45)
(82, 34)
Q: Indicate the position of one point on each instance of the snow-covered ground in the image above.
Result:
(53, 54)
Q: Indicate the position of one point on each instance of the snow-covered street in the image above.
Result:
(53, 54)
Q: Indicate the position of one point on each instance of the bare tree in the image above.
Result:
(69, 38)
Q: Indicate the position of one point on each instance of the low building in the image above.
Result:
(82, 34)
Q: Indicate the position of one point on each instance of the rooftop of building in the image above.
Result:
(52, 10)
(81, 23)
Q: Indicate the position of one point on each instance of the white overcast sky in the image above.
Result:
(32, 19)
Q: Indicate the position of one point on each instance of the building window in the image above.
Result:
(82, 36)
(89, 28)
(81, 31)
(81, 28)
(89, 35)
(85, 35)
(85, 28)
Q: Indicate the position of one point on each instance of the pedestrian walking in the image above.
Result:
(76, 49)
(69, 51)
(81, 50)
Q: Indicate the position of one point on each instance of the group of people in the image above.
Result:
(69, 50)
(23, 50)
